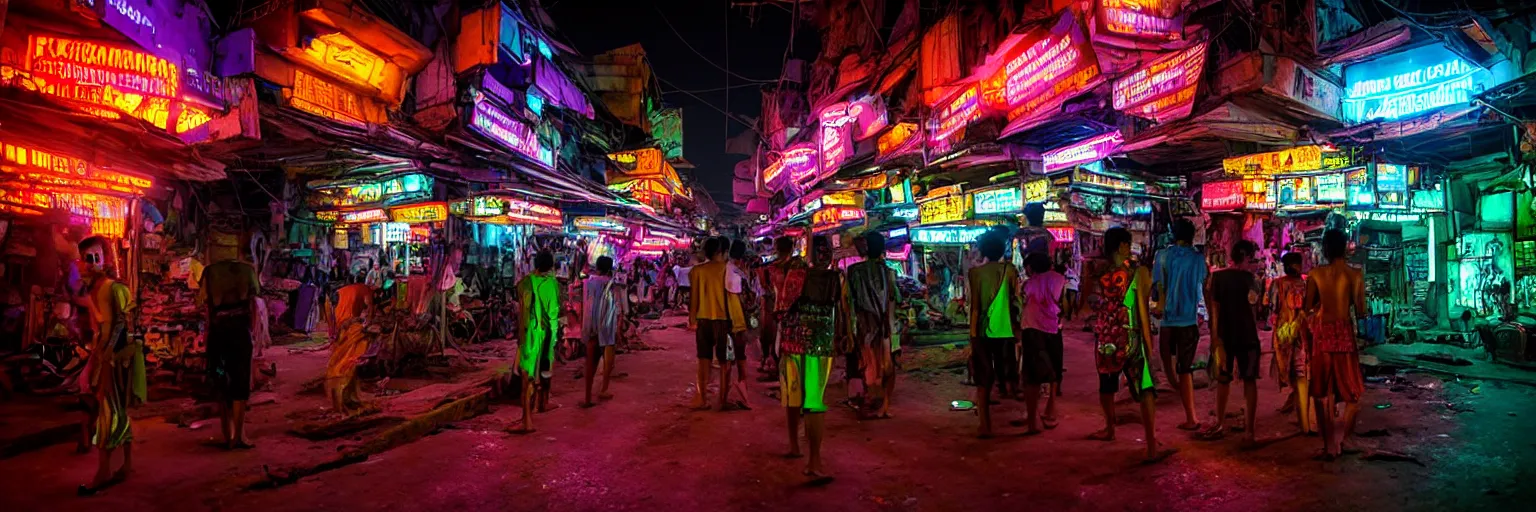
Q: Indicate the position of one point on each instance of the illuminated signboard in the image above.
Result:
(419, 213)
(1221, 196)
(1296, 191)
(1149, 20)
(1330, 188)
(1084, 177)
(1300, 158)
(340, 239)
(1259, 193)
(901, 192)
(944, 209)
(1358, 185)
(1093, 149)
(951, 235)
(521, 212)
(800, 162)
(1411, 82)
(326, 216)
(1036, 191)
(864, 117)
(488, 120)
(828, 218)
(836, 138)
(485, 206)
(905, 213)
(1165, 89)
(1063, 234)
(592, 223)
(339, 54)
(901, 139)
(951, 120)
(773, 175)
(1002, 200)
(1391, 186)
(1045, 68)
(65, 170)
(314, 95)
(844, 198)
(394, 231)
(103, 80)
(364, 216)
(400, 188)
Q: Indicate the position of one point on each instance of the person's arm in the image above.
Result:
(1309, 304)
(1016, 296)
(1362, 308)
(1213, 307)
(1143, 283)
(693, 302)
(971, 301)
(1158, 285)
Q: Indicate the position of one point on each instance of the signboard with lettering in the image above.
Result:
(773, 176)
(906, 213)
(1330, 188)
(488, 120)
(367, 216)
(1304, 86)
(1295, 191)
(834, 216)
(836, 139)
(1361, 193)
(1221, 196)
(944, 209)
(1062, 234)
(1085, 177)
(596, 224)
(1036, 191)
(316, 96)
(1259, 193)
(1415, 81)
(1045, 68)
(951, 119)
(901, 192)
(107, 81)
(947, 235)
(1093, 149)
(1300, 158)
(1001, 200)
(901, 139)
(1391, 186)
(1165, 89)
(801, 162)
(1141, 20)
(420, 213)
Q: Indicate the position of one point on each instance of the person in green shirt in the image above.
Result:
(539, 295)
(995, 329)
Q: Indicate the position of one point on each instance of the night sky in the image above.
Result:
(756, 52)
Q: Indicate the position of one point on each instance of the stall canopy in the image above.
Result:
(647, 177)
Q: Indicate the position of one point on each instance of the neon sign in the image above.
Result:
(1358, 185)
(832, 217)
(104, 81)
(906, 213)
(394, 231)
(491, 122)
(339, 53)
(1084, 177)
(964, 108)
(899, 140)
(1155, 20)
(533, 213)
(1259, 193)
(368, 216)
(327, 216)
(316, 96)
(944, 209)
(1063, 234)
(1093, 149)
(1300, 158)
(591, 223)
(1296, 191)
(420, 213)
(1391, 186)
(1036, 191)
(70, 171)
(773, 175)
(1165, 89)
(1330, 188)
(948, 235)
(800, 161)
(1002, 200)
(1046, 68)
(1415, 81)
(836, 147)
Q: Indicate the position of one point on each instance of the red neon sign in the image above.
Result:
(103, 80)
(1165, 89)
(1047, 67)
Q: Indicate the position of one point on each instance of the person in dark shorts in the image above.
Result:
(1235, 337)
(1178, 278)
(1121, 330)
(994, 326)
(709, 313)
(229, 289)
(1042, 296)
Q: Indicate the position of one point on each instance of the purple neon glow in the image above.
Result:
(487, 120)
(1096, 148)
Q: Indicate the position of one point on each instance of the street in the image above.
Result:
(644, 450)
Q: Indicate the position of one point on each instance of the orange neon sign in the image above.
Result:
(316, 96)
(105, 81)
(70, 171)
(341, 54)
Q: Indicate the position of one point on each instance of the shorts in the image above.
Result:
(803, 381)
(853, 366)
(1036, 364)
(992, 361)
(1180, 343)
(1053, 349)
(1138, 379)
(738, 346)
(1244, 359)
(1337, 375)
(711, 338)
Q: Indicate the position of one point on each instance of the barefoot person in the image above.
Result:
(1290, 361)
(1335, 299)
(813, 323)
(1235, 338)
(1041, 351)
(539, 296)
(1121, 330)
(772, 276)
(229, 289)
(1179, 277)
(600, 320)
(874, 293)
(116, 377)
(994, 309)
(349, 341)
(742, 294)
(709, 313)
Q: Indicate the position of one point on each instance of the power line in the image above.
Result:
(696, 51)
(750, 125)
(715, 89)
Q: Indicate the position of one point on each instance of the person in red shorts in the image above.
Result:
(1336, 299)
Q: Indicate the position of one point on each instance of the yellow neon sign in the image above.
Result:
(419, 213)
(346, 57)
(316, 96)
(105, 81)
(70, 171)
(944, 209)
(1300, 158)
(327, 216)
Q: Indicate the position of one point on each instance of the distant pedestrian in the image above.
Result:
(995, 333)
(1287, 295)
(742, 293)
(1336, 300)
(1235, 349)
(708, 313)
(874, 293)
(600, 319)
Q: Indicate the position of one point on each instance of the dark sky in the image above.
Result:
(758, 37)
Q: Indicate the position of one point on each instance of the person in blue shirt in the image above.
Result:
(1178, 277)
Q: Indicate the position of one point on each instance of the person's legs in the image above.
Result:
(888, 385)
(1185, 339)
(237, 418)
(1251, 399)
(1305, 410)
(1108, 384)
(704, 352)
(982, 358)
(226, 423)
(591, 371)
(608, 354)
(1032, 404)
(793, 414)
(528, 399)
(814, 428)
(103, 467)
(701, 385)
(127, 466)
(1347, 427)
(1149, 423)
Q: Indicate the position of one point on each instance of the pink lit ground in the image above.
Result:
(645, 451)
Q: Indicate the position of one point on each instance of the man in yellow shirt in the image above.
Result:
(708, 313)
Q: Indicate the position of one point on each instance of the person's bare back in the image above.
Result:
(1333, 289)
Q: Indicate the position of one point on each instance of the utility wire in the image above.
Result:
(749, 124)
(696, 50)
(715, 89)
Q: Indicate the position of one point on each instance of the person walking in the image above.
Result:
(993, 296)
(814, 326)
(1121, 332)
(539, 300)
(1040, 353)
(1336, 300)
(772, 278)
(1179, 275)
(1235, 338)
(874, 293)
(115, 369)
(1287, 296)
(229, 289)
(600, 325)
(708, 313)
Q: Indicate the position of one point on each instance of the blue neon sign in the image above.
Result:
(1408, 83)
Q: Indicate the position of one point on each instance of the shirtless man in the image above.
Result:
(1336, 299)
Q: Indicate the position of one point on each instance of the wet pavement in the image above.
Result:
(1441, 444)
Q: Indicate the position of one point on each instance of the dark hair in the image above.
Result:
(1183, 231)
(783, 244)
(738, 250)
(1335, 244)
(1034, 213)
(92, 242)
(820, 244)
(1291, 258)
(1243, 251)
(544, 261)
(1113, 239)
(874, 244)
(992, 246)
(711, 248)
(1038, 263)
(604, 265)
